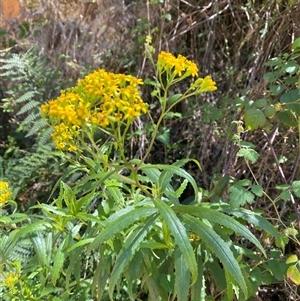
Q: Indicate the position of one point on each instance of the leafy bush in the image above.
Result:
(121, 229)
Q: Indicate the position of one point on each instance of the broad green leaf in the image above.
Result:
(221, 219)
(287, 118)
(270, 77)
(276, 89)
(182, 277)
(119, 224)
(270, 111)
(58, 262)
(239, 196)
(180, 235)
(218, 247)
(291, 67)
(290, 96)
(293, 274)
(285, 195)
(164, 137)
(260, 103)
(274, 62)
(291, 80)
(131, 244)
(254, 118)
(292, 259)
(248, 154)
(296, 188)
(257, 190)
(296, 44)
(244, 182)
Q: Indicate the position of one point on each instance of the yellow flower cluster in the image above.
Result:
(5, 193)
(179, 66)
(10, 279)
(203, 85)
(102, 99)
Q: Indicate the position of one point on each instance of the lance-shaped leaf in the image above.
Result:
(219, 247)
(180, 235)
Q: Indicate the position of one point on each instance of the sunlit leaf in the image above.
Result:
(293, 274)
(254, 118)
(292, 259)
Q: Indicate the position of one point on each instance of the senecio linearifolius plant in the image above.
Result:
(121, 229)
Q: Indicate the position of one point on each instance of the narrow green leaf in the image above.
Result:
(131, 244)
(182, 277)
(253, 218)
(181, 188)
(31, 228)
(131, 274)
(221, 219)
(39, 244)
(119, 224)
(180, 235)
(175, 170)
(220, 248)
(80, 243)
(198, 288)
(173, 99)
(58, 262)
(115, 193)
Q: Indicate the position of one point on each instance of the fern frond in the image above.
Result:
(26, 97)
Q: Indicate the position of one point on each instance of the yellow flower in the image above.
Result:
(5, 193)
(179, 66)
(10, 279)
(203, 85)
(100, 99)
